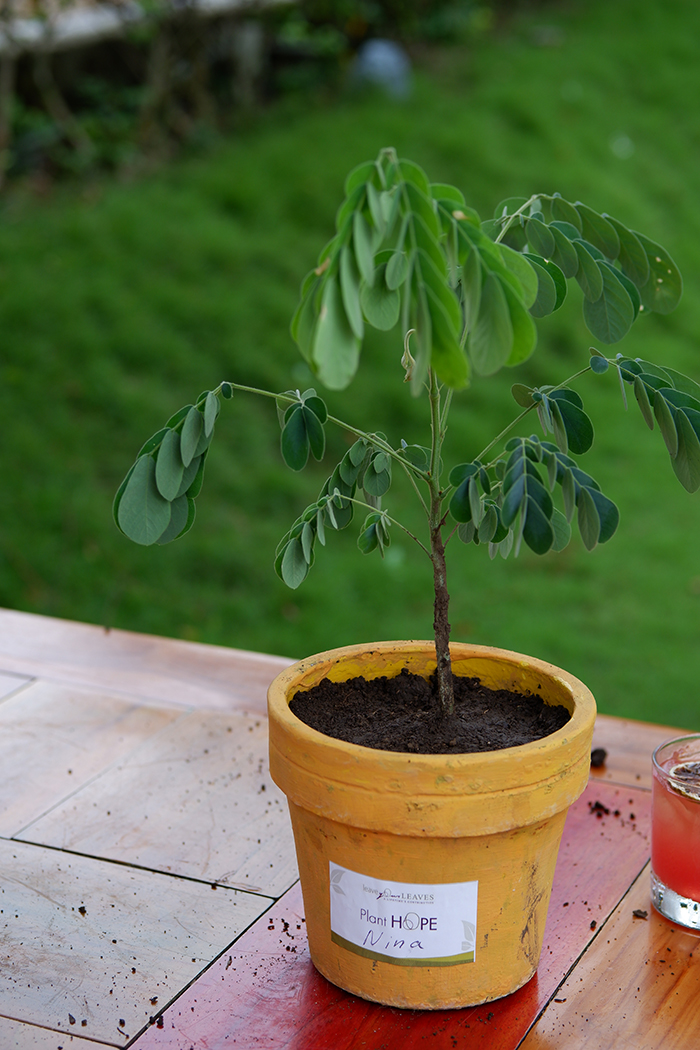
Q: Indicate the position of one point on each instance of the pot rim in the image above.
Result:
(406, 792)
(581, 697)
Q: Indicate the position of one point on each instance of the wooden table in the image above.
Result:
(148, 889)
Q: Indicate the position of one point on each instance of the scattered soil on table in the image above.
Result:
(401, 714)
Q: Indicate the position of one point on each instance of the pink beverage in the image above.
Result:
(675, 830)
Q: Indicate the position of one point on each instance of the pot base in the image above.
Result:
(513, 873)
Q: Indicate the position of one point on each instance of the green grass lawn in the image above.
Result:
(119, 302)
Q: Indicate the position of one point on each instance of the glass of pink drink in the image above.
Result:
(675, 831)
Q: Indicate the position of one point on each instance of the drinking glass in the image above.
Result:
(675, 830)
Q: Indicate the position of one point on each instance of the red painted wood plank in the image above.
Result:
(265, 993)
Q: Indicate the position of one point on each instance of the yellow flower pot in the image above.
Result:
(426, 878)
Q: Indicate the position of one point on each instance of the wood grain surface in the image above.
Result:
(629, 746)
(15, 1035)
(637, 986)
(194, 800)
(55, 738)
(146, 667)
(104, 944)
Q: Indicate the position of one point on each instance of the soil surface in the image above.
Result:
(400, 714)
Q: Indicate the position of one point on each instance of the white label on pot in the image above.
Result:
(404, 923)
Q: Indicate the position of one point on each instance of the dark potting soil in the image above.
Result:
(401, 714)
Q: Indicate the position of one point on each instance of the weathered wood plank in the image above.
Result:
(54, 738)
(196, 800)
(268, 974)
(14, 1035)
(629, 746)
(10, 683)
(637, 986)
(141, 938)
(143, 666)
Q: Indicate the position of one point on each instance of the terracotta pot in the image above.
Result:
(426, 878)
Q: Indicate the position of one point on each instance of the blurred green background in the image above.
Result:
(120, 300)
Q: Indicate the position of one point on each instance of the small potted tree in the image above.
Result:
(426, 839)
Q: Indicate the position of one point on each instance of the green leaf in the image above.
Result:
(359, 176)
(461, 472)
(540, 238)
(435, 281)
(471, 288)
(316, 404)
(447, 356)
(192, 479)
(182, 512)
(686, 463)
(561, 529)
(172, 423)
(169, 466)
(377, 481)
(569, 230)
(633, 258)
(665, 417)
(423, 212)
(568, 490)
(524, 330)
(551, 287)
(380, 305)
(678, 380)
(336, 348)
(558, 427)
(226, 391)
(491, 340)
(350, 290)
(295, 440)
(293, 566)
(303, 326)
(612, 315)
(212, 406)
(460, 504)
(441, 191)
(143, 514)
(537, 530)
(564, 254)
(191, 433)
(640, 392)
(629, 286)
(522, 268)
(423, 339)
(599, 365)
(663, 290)
(589, 276)
(598, 231)
(315, 432)
(396, 270)
(522, 395)
(608, 514)
(588, 519)
(375, 207)
(565, 212)
(307, 542)
(414, 174)
(189, 476)
(368, 540)
(362, 243)
(579, 429)
(508, 207)
(489, 524)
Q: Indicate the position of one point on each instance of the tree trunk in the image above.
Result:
(441, 625)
